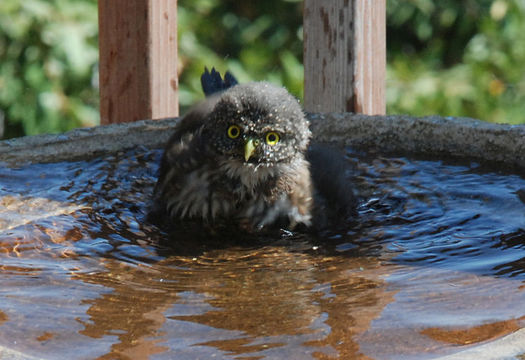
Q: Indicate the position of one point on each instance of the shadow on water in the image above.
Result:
(434, 264)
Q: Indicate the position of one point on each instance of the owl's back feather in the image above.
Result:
(213, 83)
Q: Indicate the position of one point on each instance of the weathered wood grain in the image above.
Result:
(345, 56)
(138, 60)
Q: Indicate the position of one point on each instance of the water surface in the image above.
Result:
(435, 264)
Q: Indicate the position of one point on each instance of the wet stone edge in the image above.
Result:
(433, 135)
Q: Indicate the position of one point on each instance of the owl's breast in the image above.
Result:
(265, 195)
(234, 191)
(207, 193)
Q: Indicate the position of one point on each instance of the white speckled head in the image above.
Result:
(265, 113)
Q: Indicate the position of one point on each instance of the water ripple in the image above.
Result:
(436, 252)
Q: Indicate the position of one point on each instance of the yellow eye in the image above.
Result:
(272, 138)
(234, 131)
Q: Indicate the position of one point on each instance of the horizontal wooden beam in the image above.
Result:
(138, 60)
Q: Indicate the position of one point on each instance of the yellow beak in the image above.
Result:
(249, 149)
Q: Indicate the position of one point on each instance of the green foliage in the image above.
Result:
(48, 55)
(259, 40)
(459, 58)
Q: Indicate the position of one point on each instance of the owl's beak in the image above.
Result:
(249, 148)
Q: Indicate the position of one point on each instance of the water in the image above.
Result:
(435, 264)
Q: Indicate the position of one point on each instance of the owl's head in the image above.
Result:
(258, 123)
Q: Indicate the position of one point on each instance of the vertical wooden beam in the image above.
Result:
(138, 60)
(370, 62)
(345, 56)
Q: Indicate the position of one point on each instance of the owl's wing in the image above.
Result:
(184, 152)
(334, 190)
(186, 144)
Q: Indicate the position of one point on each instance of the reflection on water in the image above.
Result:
(434, 265)
(264, 302)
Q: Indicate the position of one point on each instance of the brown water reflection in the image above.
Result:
(475, 334)
(3, 317)
(270, 301)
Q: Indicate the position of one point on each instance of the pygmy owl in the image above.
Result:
(241, 158)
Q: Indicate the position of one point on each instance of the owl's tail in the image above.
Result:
(212, 82)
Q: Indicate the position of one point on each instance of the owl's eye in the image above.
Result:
(234, 131)
(272, 138)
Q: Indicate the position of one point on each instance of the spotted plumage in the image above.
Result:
(239, 157)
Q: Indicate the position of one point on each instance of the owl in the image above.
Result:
(242, 158)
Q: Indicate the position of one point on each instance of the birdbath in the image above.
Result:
(433, 265)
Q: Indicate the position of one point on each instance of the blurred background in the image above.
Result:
(448, 57)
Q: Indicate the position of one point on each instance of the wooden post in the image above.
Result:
(138, 60)
(345, 56)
